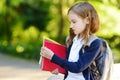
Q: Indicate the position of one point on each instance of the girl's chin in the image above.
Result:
(75, 33)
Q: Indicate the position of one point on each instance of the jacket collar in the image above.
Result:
(92, 37)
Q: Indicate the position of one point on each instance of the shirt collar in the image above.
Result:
(78, 40)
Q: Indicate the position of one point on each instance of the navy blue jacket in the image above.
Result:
(90, 54)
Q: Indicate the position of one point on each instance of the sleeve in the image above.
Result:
(84, 60)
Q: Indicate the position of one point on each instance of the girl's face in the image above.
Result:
(77, 24)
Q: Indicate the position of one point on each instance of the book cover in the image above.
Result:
(59, 50)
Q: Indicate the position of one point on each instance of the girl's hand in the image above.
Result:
(55, 71)
(47, 53)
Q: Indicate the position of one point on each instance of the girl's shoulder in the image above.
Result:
(93, 40)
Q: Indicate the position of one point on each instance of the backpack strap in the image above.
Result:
(92, 37)
(93, 65)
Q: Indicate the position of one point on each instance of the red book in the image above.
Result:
(59, 50)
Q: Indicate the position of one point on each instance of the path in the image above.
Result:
(12, 68)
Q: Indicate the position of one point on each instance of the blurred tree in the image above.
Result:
(20, 20)
(3, 28)
(61, 22)
(35, 13)
(8, 20)
(113, 2)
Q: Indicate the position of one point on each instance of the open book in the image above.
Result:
(59, 50)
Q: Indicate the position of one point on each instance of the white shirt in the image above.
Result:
(73, 57)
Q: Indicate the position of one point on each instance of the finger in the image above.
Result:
(41, 53)
(55, 71)
(43, 49)
(46, 48)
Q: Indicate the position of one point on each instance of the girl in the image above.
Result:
(83, 46)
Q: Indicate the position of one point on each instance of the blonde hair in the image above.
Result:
(85, 9)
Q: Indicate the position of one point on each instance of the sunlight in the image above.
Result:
(19, 49)
(1, 5)
(5, 43)
(31, 33)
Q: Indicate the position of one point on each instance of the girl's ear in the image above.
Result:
(86, 20)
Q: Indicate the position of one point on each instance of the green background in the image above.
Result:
(23, 23)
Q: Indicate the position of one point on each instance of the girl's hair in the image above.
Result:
(85, 10)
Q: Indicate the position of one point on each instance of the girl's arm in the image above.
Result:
(84, 60)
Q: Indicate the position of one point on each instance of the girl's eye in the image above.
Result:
(73, 21)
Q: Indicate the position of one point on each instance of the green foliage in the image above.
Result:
(23, 50)
(2, 26)
(30, 20)
(36, 15)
